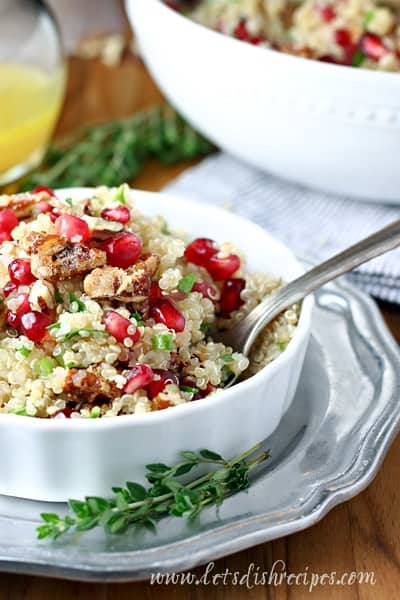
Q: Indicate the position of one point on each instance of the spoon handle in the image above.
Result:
(244, 334)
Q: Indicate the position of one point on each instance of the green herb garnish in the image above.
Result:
(57, 297)
(163, 341)
(186, 283)
(25, 352)
(227, 357)
(188, 389)
(53, 326)
(44, 367)
(20, 412)
(116, 151)
(369, 17)
(81, 332)
(167, 495)
(204, 327)
(81, 305)
(95, 412)
(358, 58)
(138, 318)
(69, 202)
(120, 195)
(282, 346)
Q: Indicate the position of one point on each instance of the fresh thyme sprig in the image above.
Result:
(116, 151)
(168, 494)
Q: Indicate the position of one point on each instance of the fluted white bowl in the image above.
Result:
(54, 460)
(326, 126)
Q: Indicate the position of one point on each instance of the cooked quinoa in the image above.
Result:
(360, 33)
(105, 311)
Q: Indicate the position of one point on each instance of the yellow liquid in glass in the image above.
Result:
(30, 101)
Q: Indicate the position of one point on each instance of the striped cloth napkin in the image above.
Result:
(314, 225)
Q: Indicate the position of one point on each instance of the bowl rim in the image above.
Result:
(300, 337)
(299, 61)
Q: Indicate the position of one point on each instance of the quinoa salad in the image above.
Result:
(106, 311)
(358, 33)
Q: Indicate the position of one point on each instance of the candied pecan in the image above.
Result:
(130, 285)
(85, 385)
(57, 259)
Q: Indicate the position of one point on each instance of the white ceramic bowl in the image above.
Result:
(327, 126)
(59, 459)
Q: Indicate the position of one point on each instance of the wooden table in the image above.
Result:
(360, 535)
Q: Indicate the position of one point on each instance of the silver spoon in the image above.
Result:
(242, 337)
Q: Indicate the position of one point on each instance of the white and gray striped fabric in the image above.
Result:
(314, 225)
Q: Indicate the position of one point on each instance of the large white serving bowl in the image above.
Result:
(54, 460)
(330, 127)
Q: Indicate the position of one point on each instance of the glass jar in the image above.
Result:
(32, 82)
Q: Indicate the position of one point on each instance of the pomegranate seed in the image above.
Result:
(207, 290)
(326, 13)
(23, 307)
(241, 31)
(123, 249)
(5, 237)
(343, 38)
(76, 230)
(155, 292)
(121, 214)
(8, 221)
(329, 59)
(9, 288)
(63, 414)
(20, 272)
(204, 393)
(223, 268)
(162, 378)
(163, 311)
(200, 251)
(44, 206)
(372, 46)
(139, 377)
(34, 325)
(43, 188)
(230, 296)
(120, 327)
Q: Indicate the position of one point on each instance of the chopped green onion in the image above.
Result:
(163, 341)
(21, 412)
(186, 283)
(165, 230)
(60, 360)
(188, 389)
(44, 367)
(53, 326)
(227, 357)
(226, 373)
(95, 412)
(78, 332)
(138, 318)
(25, 352)
(369, 17)
(204, 327)
(73, 298)
(57, 297)
(69, 202)
(120, 195)
(358, 58)
(282, 346)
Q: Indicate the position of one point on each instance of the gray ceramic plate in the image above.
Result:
(328, 448)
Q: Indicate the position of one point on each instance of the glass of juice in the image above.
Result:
(32, 79)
